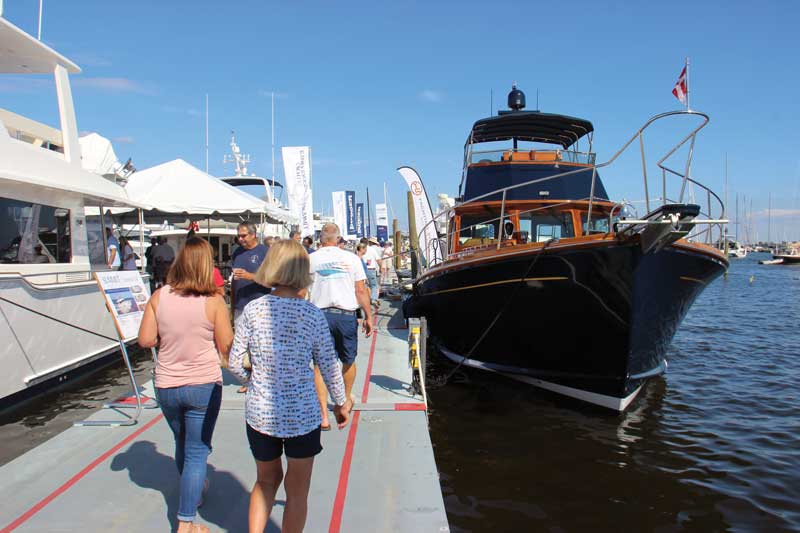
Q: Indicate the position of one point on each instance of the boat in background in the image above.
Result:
(269, 187)
(52, 315)
(791, 256)
(545, 279)
(736, 250)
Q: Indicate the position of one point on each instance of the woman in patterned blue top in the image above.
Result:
(283, 334)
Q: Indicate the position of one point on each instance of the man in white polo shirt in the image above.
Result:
(339, 289)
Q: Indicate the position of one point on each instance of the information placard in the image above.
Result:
(126, 295)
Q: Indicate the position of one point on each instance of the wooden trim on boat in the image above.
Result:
(505, 281)
(491, 254)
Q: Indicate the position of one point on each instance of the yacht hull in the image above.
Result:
(42, 343)
(592, 321)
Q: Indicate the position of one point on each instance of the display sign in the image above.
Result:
(350, 204)
(126, 297)
(340, 211)
(360, 220)
(382, 222)
(297, 170)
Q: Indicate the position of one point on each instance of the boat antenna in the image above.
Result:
(273, 144)
(40, 19)
(206, 133)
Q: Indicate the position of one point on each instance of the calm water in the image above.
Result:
(712, 446)
(49, 414)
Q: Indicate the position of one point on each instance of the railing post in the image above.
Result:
(500, 223)
(687, 168)
(644, 173)
(591, 201)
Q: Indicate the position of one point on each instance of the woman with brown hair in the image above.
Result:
(283, 334)
(189, 321)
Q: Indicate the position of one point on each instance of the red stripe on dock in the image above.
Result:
(77, 477)
(409, 407)
(344, 474)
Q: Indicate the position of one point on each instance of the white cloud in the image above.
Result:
(430, 95)
(23, 84)
(181, 110)
(268, 94)
(112, 84)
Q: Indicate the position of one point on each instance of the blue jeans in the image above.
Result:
(191, 412)
(372, 278)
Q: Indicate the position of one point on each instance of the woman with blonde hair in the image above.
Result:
(190, 323)
(283, 333)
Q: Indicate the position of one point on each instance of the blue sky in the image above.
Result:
(371, 86)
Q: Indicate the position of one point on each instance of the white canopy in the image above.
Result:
(97, 155)
(179, 189)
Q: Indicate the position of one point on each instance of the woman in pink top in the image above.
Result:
(189, 321)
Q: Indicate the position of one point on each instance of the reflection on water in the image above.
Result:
(711, 446)
(49, 414)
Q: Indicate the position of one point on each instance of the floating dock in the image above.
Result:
(378, 474)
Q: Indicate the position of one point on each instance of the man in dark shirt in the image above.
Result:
(245, 262)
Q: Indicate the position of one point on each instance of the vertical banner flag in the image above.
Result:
(297, 171)
(340, 212)
(382, 222)
(428, 238)
(359, 220)
(681, 89)
(350, 228)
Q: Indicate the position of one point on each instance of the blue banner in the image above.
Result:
(383, 233)
(350, 205)
(359, 220)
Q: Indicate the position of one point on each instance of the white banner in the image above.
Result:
(340, 211)
(126, 298)
(297, 172)
(381, 215)
(428, 238)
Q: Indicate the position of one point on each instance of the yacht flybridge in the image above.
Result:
(52, 317)
(545, 279)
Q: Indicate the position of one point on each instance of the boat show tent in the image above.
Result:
(179, 191)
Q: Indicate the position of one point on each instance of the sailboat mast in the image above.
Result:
(273, 144)
(369, 217)
(206, 133)
(769, 219)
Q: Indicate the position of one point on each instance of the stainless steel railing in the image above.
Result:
(713, 203)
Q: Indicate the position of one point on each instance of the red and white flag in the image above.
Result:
(681, 90)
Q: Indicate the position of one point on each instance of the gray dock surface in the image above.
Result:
(378, 474)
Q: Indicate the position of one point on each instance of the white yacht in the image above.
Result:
(53, 318)
(274, 208)
(736, 250)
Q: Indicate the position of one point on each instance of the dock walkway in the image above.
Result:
(378, 474)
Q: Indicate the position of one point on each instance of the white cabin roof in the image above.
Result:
(21, 53)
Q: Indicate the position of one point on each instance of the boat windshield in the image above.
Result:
(600, 223)
(477, 230)
(539, 227)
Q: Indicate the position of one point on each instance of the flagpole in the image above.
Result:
(687, 85)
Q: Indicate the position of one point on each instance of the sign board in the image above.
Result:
(360, 220)
(126, 297)
(297, 170)
(340, 211)
(350, 231)
(382, 222)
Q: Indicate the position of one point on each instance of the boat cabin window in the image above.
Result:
(599, 224)
(95, 236)
(478, 230)
(540, 227)
(33, 233)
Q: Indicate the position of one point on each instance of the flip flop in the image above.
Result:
(242, 389)
(325, 428)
